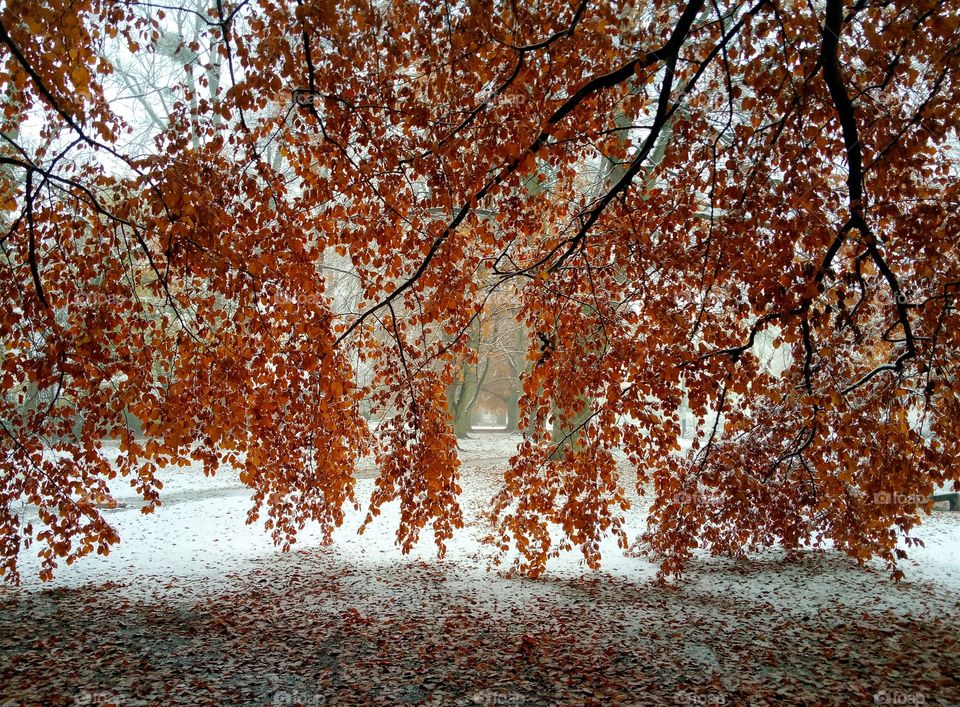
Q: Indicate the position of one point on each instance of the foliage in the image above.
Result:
(657, 186)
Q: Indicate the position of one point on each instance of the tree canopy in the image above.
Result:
(232, 231)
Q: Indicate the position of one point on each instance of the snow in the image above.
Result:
(199, 534)
(193, 580)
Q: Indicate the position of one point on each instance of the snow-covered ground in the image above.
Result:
(200, 533)
(197, 551)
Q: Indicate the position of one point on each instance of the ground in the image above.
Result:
(195, 607)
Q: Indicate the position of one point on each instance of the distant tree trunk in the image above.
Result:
(513, 410)
(465, 397)
(465, 393)
(462, 394)
(517, 360)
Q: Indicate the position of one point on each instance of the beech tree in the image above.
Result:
(707, 174)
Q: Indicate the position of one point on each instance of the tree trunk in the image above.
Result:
(518, 364)
(513, 409)
(463, 401)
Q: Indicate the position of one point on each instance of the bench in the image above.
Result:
(952, 498)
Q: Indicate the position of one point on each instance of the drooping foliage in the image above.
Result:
(288, 221)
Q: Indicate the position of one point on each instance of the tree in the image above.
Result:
(785, 168)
